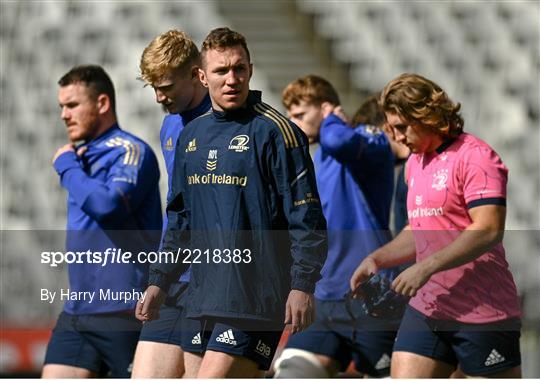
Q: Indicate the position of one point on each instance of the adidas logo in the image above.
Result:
(383, 363)
(226, 337)
(169, 144)
(494, 358)
(196, 339)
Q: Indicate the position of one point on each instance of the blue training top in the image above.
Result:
(171, 128)
(113, 203)
(355, 176)
(246, 200)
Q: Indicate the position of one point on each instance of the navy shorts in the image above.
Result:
(254, 340)
(102, 343)
(479, 349)
(344, 333)
(173, 327)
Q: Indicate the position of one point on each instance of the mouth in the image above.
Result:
(231, 93)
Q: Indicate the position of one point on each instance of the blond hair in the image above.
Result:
(171, 50)
(418, 100)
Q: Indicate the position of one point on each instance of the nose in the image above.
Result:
(64, 115)
(232, 78)
(400, 137)
(160, 96)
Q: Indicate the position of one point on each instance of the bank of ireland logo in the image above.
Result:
(192, 146)
(238, 143)
(418, 200)
(439, 179)
(211, 163)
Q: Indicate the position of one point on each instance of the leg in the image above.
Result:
(221, 365)
(61, 371)
(409, 365)
(511, 373)
(192, 364)
(157, 360)
(298, 363)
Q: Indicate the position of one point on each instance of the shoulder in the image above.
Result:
(278, 126)
(470, 147)
(126, 144)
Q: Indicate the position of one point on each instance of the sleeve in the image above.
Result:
(129, 178)
(294, 174)
(176, 233)
(353, 144)
(484, 177)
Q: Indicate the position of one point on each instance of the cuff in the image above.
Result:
(159, 279)
(66, 161)
(303, 285)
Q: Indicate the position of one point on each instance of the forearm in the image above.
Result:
(470, 244)
(400, 250)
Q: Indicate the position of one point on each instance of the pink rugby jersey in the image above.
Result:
(443, 185)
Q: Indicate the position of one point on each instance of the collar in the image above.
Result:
(104, 136)
(254, 97)
(191, 114)
(446, 143)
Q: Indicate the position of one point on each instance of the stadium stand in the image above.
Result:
(486, 54)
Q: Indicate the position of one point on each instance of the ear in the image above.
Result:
(103, 104)
(202, 77)
(195, 73)
(326, 109)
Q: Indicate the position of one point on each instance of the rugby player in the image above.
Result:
(464, 309)
(171, 345)
(113, 202)
(247, 204)
(355, 175)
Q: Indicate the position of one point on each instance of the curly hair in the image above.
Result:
(171, 50)
(421, 101)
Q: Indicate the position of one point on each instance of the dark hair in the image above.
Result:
(93, 77)
(221, 38)
(369, 112)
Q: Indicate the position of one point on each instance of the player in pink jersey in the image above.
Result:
(464, 311)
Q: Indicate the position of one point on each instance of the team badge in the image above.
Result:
(238, 143)
(439, 179)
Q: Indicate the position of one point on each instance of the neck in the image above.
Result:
(198, 95)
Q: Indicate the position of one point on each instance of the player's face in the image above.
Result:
(417, 138)
(226, 73)
(80, 112)
(308, 117)
(175, 90)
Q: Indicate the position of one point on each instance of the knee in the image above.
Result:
(295, 363)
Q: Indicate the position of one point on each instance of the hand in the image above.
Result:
(340, 112)
(411, 279)
(300, 310)
(147, 308)
(367, 268)
(66, 148)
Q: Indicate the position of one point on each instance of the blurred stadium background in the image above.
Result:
(486, 54)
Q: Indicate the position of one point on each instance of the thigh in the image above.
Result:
(416, 335)
(166, 329)
(329, 348)
(157, 360)
(224, 365)
(372, 351)
(115, 337)
(256, 341)
(488, 350)
(410, 365)
(61, 371)
(192, 364)
(68, 349)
